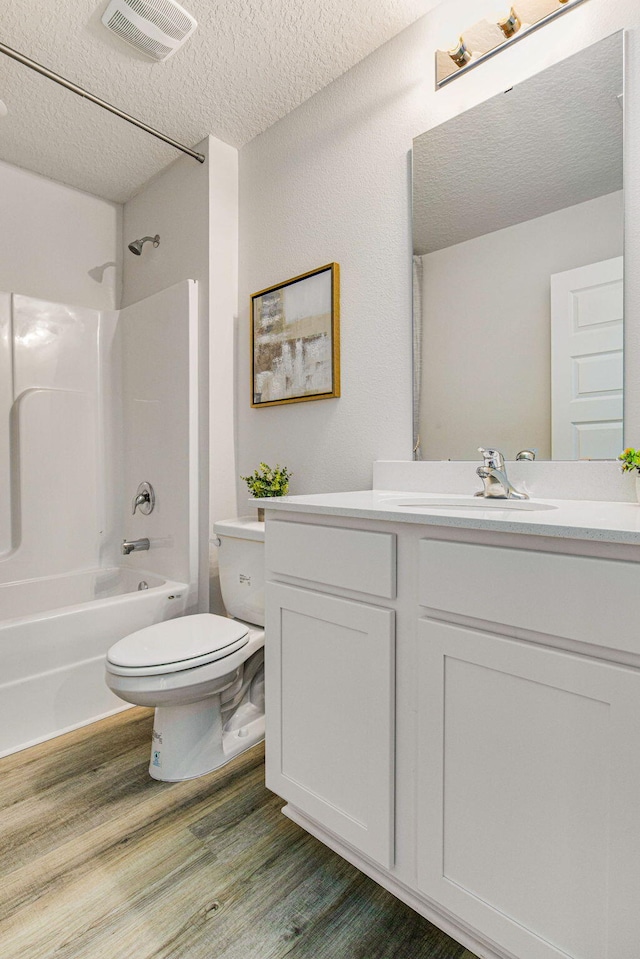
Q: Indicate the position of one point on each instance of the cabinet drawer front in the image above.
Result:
(349, 558)
(329, 681)
(572, 597)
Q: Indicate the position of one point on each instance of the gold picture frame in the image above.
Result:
(295, 339)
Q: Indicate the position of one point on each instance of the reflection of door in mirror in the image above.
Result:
(587, 361)
(519, 190)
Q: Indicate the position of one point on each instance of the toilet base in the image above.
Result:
(189, 741)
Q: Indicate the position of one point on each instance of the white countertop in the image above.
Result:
(604, 522)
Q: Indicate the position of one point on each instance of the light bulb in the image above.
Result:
(451, 42)
(504, 16)
(459, 53)
(494, 12)
(497, 12)
(450, 25)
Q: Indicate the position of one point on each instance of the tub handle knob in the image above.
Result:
(144, 500)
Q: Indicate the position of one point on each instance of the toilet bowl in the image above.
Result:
(203, 673)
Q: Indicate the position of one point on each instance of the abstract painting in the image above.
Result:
(295, 339)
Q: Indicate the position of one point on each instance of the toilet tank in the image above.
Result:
(241, 562)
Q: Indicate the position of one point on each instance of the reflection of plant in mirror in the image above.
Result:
(630, 459)
(268, 481)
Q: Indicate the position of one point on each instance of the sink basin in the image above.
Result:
(470, 502)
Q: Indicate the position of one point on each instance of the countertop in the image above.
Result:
(604, 522)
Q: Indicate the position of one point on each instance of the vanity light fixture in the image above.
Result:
(495, 32)
(510, 24)
(459, 54)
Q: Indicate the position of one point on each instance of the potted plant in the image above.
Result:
(630, 459)
(268, 481)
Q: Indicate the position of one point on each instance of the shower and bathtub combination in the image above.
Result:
(92, 404)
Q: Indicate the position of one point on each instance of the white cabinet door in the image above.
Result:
(330, 713)
(529, 794)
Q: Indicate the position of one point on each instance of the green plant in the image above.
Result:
(630, 460)
(268, 481)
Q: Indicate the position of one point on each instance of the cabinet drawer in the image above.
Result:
(349, 558)
(572, 597)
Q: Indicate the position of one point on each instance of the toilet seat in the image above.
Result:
(177, 644)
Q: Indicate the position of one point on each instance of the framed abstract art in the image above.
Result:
(295, 339)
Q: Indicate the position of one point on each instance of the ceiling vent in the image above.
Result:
(156, 28)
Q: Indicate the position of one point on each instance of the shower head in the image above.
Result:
(136, 246)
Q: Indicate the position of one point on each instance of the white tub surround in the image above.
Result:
(53, 637)
(92, 403)
(453, 705)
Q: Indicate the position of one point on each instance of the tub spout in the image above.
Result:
(134, 545)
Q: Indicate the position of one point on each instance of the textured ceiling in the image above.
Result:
(249, 63)
(551, 142)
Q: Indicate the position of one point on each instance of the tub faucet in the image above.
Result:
(144, 500)
(494, 476)
(134, 545)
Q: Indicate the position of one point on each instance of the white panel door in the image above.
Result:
(529, 794)
(330, 713)
(587, 331)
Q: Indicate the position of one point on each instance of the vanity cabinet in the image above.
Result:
(330, 663)
(528, 752)
(482, 759)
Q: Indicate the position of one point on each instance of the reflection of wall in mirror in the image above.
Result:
(486, 353)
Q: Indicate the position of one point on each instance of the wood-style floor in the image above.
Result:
(101, 862)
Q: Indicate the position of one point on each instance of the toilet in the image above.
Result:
(203, 673)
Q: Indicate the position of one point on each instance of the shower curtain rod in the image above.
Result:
(45, 72)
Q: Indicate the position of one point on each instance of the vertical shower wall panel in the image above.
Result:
(158, 340)
(91, 404)
(50, 516)
(110, 450)
(6, 400)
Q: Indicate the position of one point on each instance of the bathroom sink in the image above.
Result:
(470, 502)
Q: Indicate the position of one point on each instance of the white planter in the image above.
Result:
(638, 485)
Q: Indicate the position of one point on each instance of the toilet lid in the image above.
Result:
(180, 643)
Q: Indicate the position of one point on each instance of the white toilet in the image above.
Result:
(204, 674)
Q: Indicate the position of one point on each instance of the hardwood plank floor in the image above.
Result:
(102, 862)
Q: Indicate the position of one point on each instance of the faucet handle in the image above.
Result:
(527, 455)
(493, 459)
(144, 500)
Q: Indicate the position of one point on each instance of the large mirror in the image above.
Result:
(518, 237)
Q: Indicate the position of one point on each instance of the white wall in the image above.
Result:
(489, 384)
(331, 182)
(57, 243)
(194, 208)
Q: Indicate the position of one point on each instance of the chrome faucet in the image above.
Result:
(134, 545)
(144, 500)
(494, 476)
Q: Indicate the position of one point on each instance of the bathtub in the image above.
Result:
(54, 634)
